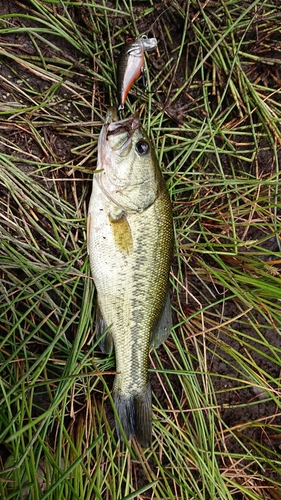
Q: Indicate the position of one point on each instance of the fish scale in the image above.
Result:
(130, 254)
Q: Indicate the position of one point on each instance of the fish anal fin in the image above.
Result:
(105, 338)
(162, 328)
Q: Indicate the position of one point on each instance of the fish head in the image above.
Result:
(126, 156)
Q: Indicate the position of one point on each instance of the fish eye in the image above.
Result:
(142, 147)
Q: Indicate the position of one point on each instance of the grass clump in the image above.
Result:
(212, 110)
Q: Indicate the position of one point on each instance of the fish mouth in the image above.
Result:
(119, 132)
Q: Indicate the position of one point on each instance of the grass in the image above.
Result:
(212, 109)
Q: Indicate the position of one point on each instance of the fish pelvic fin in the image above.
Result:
(135, 415)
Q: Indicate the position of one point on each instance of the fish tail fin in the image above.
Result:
(143, 416)
(135, 414)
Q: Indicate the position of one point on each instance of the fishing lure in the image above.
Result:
(131, 64)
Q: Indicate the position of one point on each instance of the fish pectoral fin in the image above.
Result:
(121, 232)
(162, 329)
(104, 337)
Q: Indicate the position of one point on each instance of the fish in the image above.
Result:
(131, 64)
(130, 246)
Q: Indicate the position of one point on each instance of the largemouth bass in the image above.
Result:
(130, 235)
(131, 64)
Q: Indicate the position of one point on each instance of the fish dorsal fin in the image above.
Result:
(162, 329)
